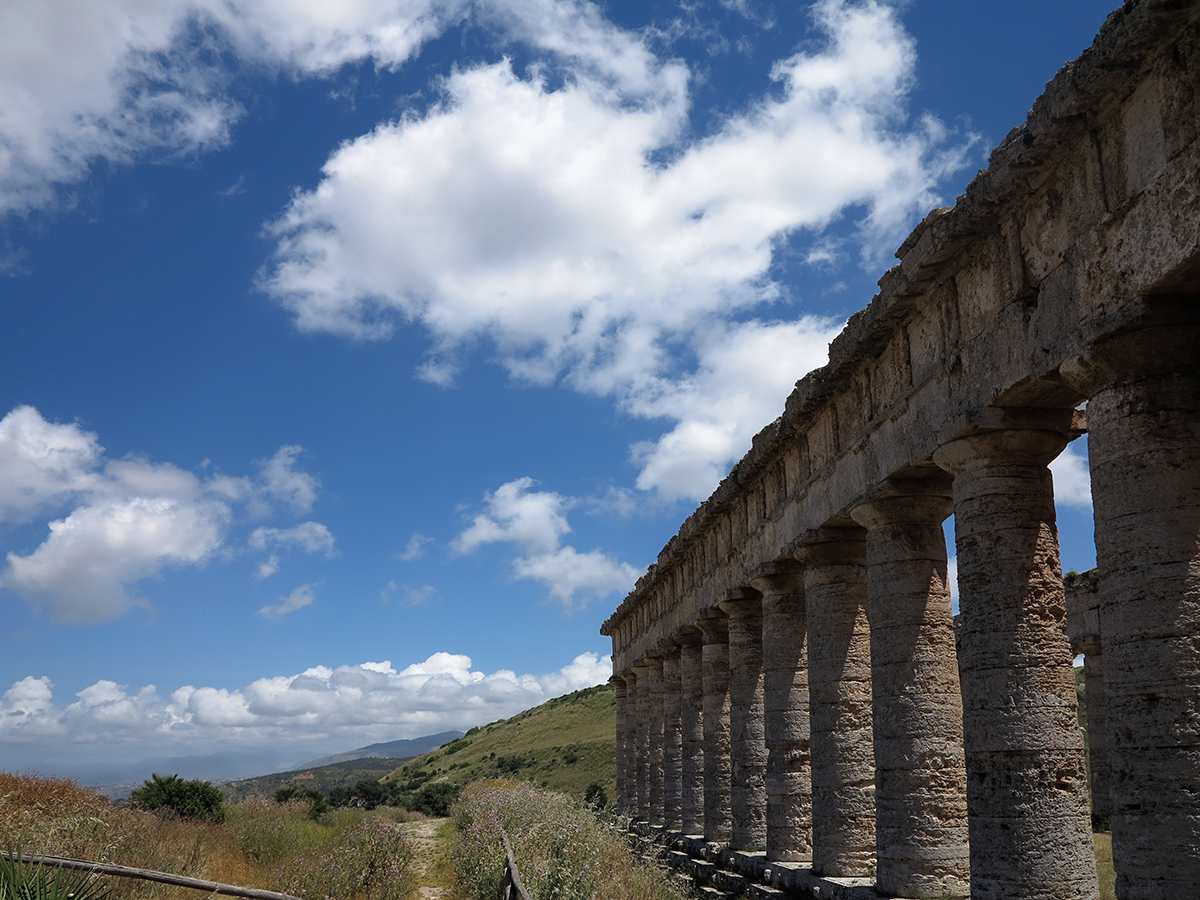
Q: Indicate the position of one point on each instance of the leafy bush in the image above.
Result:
(435, 799)
(318, 805)
(189, 799)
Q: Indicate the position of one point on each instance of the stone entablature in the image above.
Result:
(1069, 272)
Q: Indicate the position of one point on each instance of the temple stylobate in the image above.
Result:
(790, 678)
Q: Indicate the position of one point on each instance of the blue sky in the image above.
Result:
(357, 357)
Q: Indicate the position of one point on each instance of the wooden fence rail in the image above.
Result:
(512, 888)
(212, 887)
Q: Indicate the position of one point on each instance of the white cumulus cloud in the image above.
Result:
(326, 708)
(536, 522)
(535, 216)
(123, 520)
(1072, 478)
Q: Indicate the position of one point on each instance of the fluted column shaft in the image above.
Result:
(640, 794)
(1030, 825)
(672, 737)
(785, 712)
(691, 681)
(654, 741)
(622, 701)
(747, 743)
(717, 767)
(1144, 448)
(839, 674)
(1097, 738)
(920, 781)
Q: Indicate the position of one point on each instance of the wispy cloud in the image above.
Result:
(298, 599)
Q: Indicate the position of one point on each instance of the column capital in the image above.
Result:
(900, 501)
(1162, 341)
(714, 624)
(831, 545)
(741, 601)
(668, 648)
(689, 636)
(783, 576)
(1017, 445)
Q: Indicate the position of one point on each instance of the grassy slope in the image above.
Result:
(323, 778)
(565, 744)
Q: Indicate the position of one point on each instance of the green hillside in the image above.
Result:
(565, 744)
(321, 778)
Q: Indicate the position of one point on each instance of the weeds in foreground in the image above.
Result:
(262, 844)
(561, 849)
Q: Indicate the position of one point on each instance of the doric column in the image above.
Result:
(1097, 732)
(785, 711)
(623, 743)
(920, 780)
(839, 679)
(672, 736)
(1144, 446)
(748, 749)
(691, 682)
(717, 768)
(640, 793)
(654, 740)
(1030, 826)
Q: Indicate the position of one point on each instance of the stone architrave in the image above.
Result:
(785, 711)
(717, 768)
(654, 739)
(691, 682)
(747, 745)
(621, 692)
(1030, 824)
(640, 793)
(672, 737)
(1144, 449)
(839, 678)
(920, 780)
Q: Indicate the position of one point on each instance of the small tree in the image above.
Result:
(188, 799)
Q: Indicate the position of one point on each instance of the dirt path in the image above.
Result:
(433, 874)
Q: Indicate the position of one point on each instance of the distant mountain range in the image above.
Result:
(388, 750)
(116, 780)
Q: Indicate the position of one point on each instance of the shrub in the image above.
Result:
(560, 848)
(435, 799)
(189, 799)
(373, 859)
(595, 797)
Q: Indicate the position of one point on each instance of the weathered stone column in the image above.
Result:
(920, 780)
(1030, 824)
(654, 740)
(640, 794)
(623, 742)
(672, 736)
(717, 767)
(1099, 760)
(691, 680)
(747, 745)
(1144, 445)
(785, 711)
(839, 677)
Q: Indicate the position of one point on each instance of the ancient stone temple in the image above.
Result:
(789, 676)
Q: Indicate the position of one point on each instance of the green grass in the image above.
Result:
(564, 745)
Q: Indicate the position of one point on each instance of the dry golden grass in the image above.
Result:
(261, 844)
(1104, 866)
